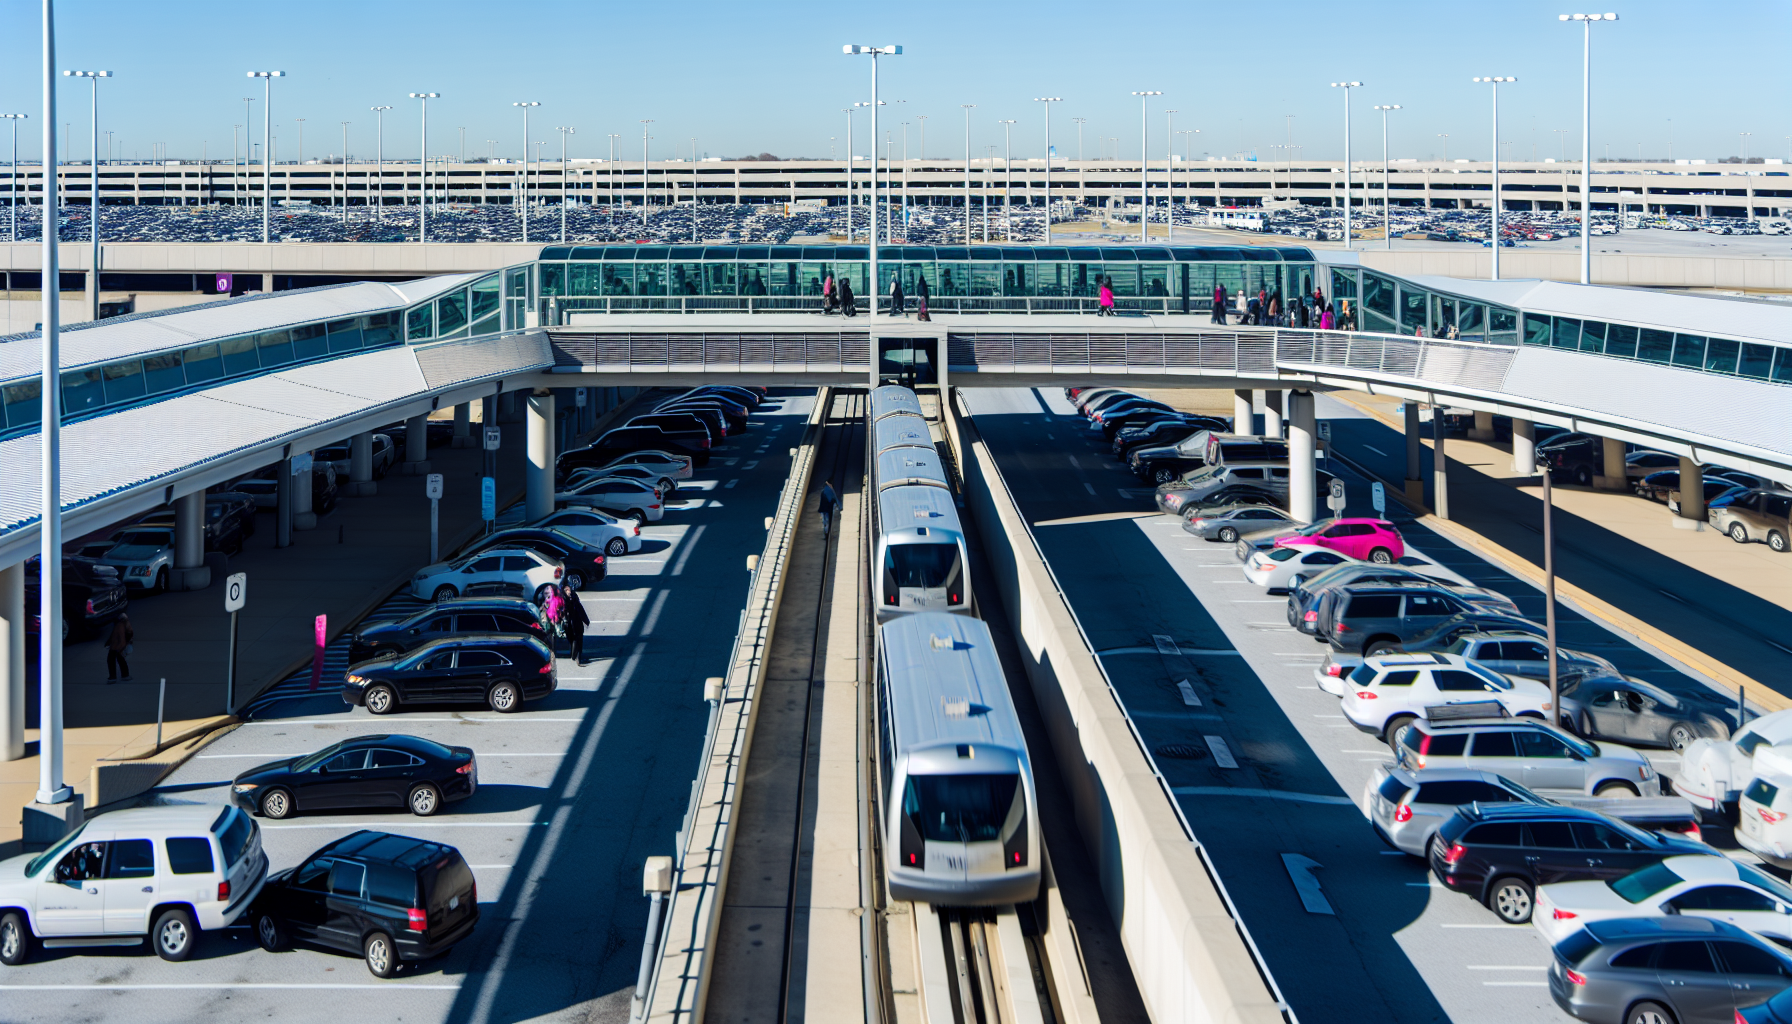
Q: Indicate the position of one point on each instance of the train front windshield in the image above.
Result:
(922, 567)
(960, 808)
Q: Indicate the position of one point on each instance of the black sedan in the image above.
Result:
(496, 670)
(92, 596)
(584, 563)
(448, 618)
(1631, 711)
(367, 771)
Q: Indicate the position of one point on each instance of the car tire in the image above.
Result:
(638, 515)
(1681, 736)
(1376, 648)
(444, 593)
(380, 700)
(424, 800)
(505, 697)
(276, 804)
(616, 548)
(1617, 790)
(1163, 475)
(1295, 581)
(161, 586)
(1649, 1013)
(1391, 734)
(1228, 535)
(380, 954)
(16, 939)
(576, 580)
(269, 933)
(1739, 533)
(1583, 476)
(1511, 899)
(174, 934)
(1777, 541)
(1381, 556)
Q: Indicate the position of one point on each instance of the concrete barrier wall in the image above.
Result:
(1188, 954)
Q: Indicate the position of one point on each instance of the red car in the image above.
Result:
(1372, 540)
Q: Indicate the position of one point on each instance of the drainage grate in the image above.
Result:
(1182, 751)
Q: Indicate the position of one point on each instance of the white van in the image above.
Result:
(162, 873)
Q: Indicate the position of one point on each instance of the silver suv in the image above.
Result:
(1540, 757)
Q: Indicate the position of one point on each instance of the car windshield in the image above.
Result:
(53, 853)
(1748, 741)
(305, 764)
(1284, 554)
(146, 538)
(1762, 880)
(1643, 883)
(1488, 674)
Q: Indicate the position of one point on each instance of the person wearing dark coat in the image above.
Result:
(921, 291)
(844, 289)
(574, 619)
(1219, 304)
(898, 301)
(1253, 311)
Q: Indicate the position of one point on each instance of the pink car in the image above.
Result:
(1371, 540)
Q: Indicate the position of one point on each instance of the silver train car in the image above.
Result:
(919, 551)
(961, 818)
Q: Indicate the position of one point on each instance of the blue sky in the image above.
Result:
(770, 77)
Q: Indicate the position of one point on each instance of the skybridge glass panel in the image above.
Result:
(616, 279)
(1378, 296)
(239, 356)
(986, 279)
(755, 279)
(1620, 340)
(1155, 280)
(785, 277)
(553, 279)
(856, 272)
(1536, 330)
(1343, 284)
(1655, 346)
(1689, 350)
(1502, 325)
(1443, 315)
(276, 347)
(1592, 336)
(686, 278)
(719, 279)
(203, 364)
(381, 330)
(309, 342)
(1412, 310)
(914, 273)
(812, 278)
(1720, 355)
(420, 323)
(164, 373)
(1122, 278)
(1566, 333)
(82, 392)
(20, 404)
(1471, 321)
(650, 278)
(584, 279)
(1756, 361)
(484, 310)
(1018, 279)
(1782, 367)
(344, 336)
(451, 314)
(124, 381)
(955, 279)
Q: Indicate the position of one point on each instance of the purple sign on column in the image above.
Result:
(226, 282)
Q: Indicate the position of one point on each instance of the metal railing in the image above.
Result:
(558, 310)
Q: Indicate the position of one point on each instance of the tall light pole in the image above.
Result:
(610, 179)
(1586, 133)
(345, 125)
(1169, 172)
(12, 167)
(1048, 101)
(377, 191)
(50, 787)
(923, 119)
(644, 139)
(693, 189)
(523, 193)
(871, 218)
(423, 167)
(968, 107)
(1387, 206)
(564, 132)
(301, 159)
(1494, 233)
(851, 196)
(1347, 86)
(1144, 162)
(463, 146)
(93, 195)
(267, 149)
(873, 52)
(1007, 183)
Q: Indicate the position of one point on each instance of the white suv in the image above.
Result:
(1387, 692)
(165, 873)
(519, 572)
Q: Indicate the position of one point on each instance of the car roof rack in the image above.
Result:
(1470, 709)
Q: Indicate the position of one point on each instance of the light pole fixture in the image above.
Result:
(1007, 182)
(1170, 175)
(12, 169)
(1494, 231)
(1048, 101)
(345, 125)
(873, 52)
(1446, 137)
(851, 196)
(523, 191)
(564, 132)
(423, 168)
(1586, 133)
(267, 149)
(301, 160)
(1347, 86)
(378, 197)
(1144, 161)
(968, 107)
(1387, 204)
(923, 119)
(93, 194)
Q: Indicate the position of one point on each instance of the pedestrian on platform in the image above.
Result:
(827, 295)
(1106, 299)
(830, 500)
(118, 647)
(1326, 320)
(843, 288)
(1219, 304)
(898, 301)
(576, 621)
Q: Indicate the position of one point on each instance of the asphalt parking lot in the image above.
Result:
(575, 790)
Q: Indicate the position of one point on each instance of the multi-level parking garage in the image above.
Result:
(1173, 870)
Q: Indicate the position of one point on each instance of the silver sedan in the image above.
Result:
(1227, 522)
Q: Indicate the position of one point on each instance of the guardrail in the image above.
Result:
(682, 959)
(557, 309)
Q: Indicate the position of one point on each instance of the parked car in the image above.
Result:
(456, 617)
(673, 467)
(1303, 600)
(229, 521)
(1166, 463)
(1756, 515)
(530, 570)
(1500, 853)
(436, 433)
(631, 499)
(584, 563)
(1608, 705)
(1280, 568)
(1717, 888)
(750, 395)
(613, 536)
(1761, 813)
(1268, 475)
(92, 596)
(1238, 494)
(1385, 693)
(1718, 493)
(1777, 1010)
(1714, 772)
(1370, 540)
(1226, 522)
(1576, 457)
(712, 418)
(1516, 652)
(686, 428)
(500, 671)
(263, 487)
(1671, 970)
(645, 474)
(389, 899)
(340, 456)
(622, 441)
(1641, 463)
(368, 771)
(168, 873)
(1378, 618)
(1169, 430)
(143, 556)
(1541, 757)
(1111, 423)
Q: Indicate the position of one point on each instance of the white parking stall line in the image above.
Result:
(1258, 793)
(1345, 750)
(1376, 450)
(731, 483)
(1258, 600)
(751, 464)
(1073, 461)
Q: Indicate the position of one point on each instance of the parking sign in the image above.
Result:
(493, 438)
(236, 591)
(488, 498)
(432, 486)
(1378, 496)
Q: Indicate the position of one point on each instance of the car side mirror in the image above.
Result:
(1670, 909)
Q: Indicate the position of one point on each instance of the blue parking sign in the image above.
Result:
(488, 498)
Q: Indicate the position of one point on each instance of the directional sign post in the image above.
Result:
(493, 438)
(1325, 434)
(488, 498)
(432, 486)
(236, 594)
(1336, 499)
(1378, 496)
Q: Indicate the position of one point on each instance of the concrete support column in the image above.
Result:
(283, 504)
(304, 517)
(416, 446)
(360, 465)
(190, 571)
(1302, 494)
(1440, 475)
(1692, 496)
(12, 662)
(1243, 410)
(1524, 448)
(539, 502)
(267, 283)
(93, 294)
(1483, 428)
(507, 407)
(463, 425)
(1272, 413)
(1611, 476)
(1414, 482)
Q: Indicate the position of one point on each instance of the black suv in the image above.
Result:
(92, 596)
(1157, 433)
(495, 670)
(614, 444)
(1500, 853)
(1164, 464)
(448, 618)
(388, 898)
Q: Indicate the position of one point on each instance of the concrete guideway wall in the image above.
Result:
(1189, 954)
(679, 987)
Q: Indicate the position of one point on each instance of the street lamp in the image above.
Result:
(93, 195)
(12, 167)
(851, 197)
(1494, 234)
(1387, 207)
(1586, 149)
(564, 132)
(873, 52)
(968, 107)
(345, 125)
(1445, 136)
(301, 160)
(423, 168)
(871, 219)
(1048, 101)
(1347, 86)
(1007, 183)
(267, 149)
(523, 193)
(1169, 173)
(1144, 162)
(51, 789)
(644, 123)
